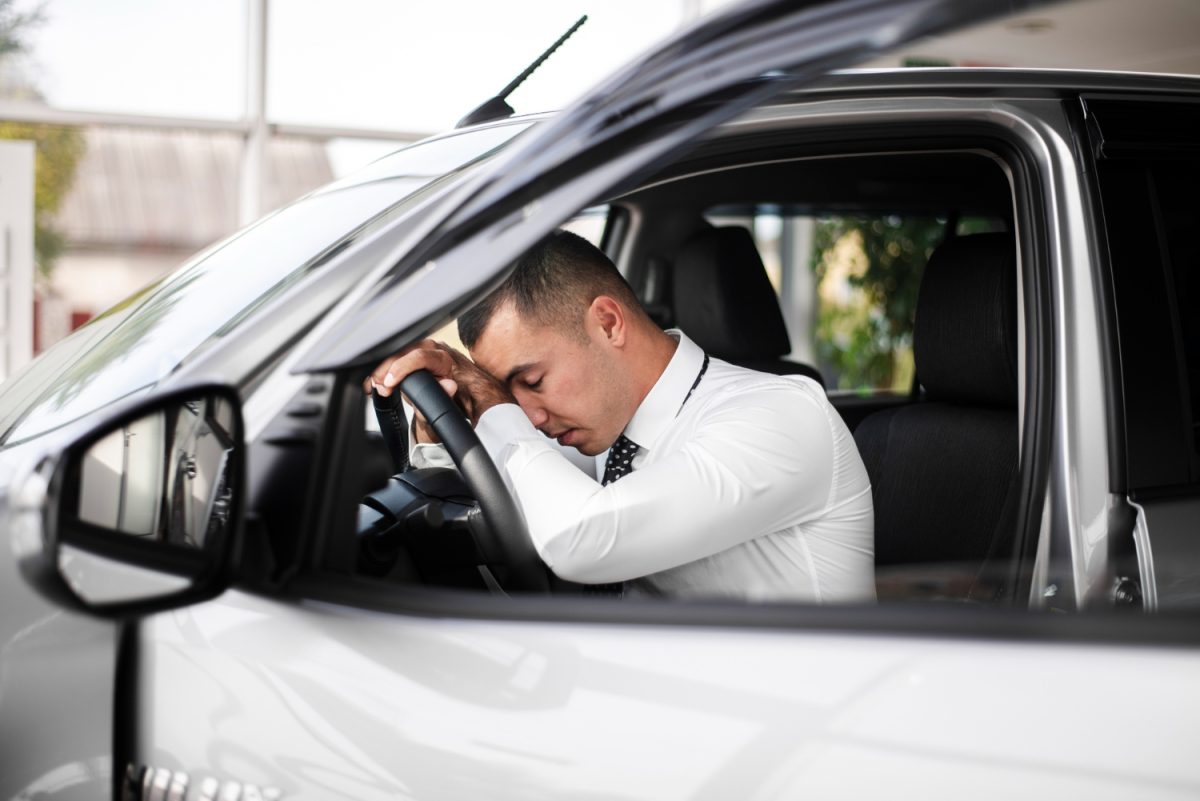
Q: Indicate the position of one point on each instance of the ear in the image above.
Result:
(606, 321)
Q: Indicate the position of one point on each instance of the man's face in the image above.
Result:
(570, 387)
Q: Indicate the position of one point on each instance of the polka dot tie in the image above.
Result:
(618, 465)
(620, 459)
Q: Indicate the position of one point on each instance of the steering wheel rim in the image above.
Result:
(504, 539)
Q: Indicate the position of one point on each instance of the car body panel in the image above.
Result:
(321, 700)
(389, 703)
(318, 699)
(55, 665)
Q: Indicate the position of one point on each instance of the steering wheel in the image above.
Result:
(503, 539)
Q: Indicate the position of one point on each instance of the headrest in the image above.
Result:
(723, 299)
(965, 340)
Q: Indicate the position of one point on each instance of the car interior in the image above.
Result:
(785, 262)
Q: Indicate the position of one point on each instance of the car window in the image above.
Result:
(1150, 209)
(848, 282)
(847, 285)
(144, 338)
(1148, 169)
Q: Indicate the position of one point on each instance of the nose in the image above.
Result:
(534, 411)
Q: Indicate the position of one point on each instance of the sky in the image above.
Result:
(408, 65)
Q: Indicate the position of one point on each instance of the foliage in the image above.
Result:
(868, 271)
(12, 24)
(58, 148)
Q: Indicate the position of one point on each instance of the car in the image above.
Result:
(220, 584)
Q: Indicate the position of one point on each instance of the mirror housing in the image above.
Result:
(144, 512)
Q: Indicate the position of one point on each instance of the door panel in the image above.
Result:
(320, 701)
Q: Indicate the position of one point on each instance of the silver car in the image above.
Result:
(222, 582)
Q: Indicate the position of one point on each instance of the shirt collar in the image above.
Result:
(663, 401)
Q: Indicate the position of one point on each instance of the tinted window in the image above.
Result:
(1150, 210)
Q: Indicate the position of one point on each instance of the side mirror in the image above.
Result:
(143, 513)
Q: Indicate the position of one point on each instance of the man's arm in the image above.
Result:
(434, 454)
(758, 464)
(474, 390)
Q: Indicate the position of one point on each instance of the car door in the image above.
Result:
(332, 687)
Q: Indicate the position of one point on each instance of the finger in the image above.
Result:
(435, 361)
(449, 385)
(377, 375)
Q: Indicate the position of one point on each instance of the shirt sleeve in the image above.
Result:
(751, 465)
(423, 454)
(515, 426)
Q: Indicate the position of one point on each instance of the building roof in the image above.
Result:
(175, 189)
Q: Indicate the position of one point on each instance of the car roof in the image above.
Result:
(964, 80)
(976, 79)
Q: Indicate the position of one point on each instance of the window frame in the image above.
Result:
(972, 132)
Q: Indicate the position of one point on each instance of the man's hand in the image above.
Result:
(474, 390)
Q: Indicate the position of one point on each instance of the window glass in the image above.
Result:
(1150, 208)
(1177, 201)
(141, 340)
(847, 287)
(426, 160)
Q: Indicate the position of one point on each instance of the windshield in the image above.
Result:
(140, 341)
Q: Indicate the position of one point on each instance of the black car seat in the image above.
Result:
(944, 470)
(724, 301)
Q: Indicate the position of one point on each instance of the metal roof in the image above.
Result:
(152, 188)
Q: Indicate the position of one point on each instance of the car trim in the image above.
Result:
(939, 620)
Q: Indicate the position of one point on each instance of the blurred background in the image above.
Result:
(159, 127)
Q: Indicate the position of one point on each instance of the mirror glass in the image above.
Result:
(163, 477)
(98, 580)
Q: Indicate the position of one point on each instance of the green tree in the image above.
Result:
(865, 334)
(12, 24)
(58, 148)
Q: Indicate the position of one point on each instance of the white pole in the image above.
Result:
(16, 256)
(253, 177)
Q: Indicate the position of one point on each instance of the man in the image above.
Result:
(732, 483)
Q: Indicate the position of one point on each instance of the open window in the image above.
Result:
(642, 157)
(842, 242)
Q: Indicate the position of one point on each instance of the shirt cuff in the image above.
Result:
(502, 426)
(429, 454)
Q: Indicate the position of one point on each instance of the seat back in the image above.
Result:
(944, 470)
(724, 301)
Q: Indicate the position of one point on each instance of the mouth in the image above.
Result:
(567, 437)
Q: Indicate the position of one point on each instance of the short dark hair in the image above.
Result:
(553, 283)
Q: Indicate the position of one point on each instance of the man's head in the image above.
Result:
(568, 337)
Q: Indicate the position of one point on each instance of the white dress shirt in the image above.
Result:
(751, 489)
